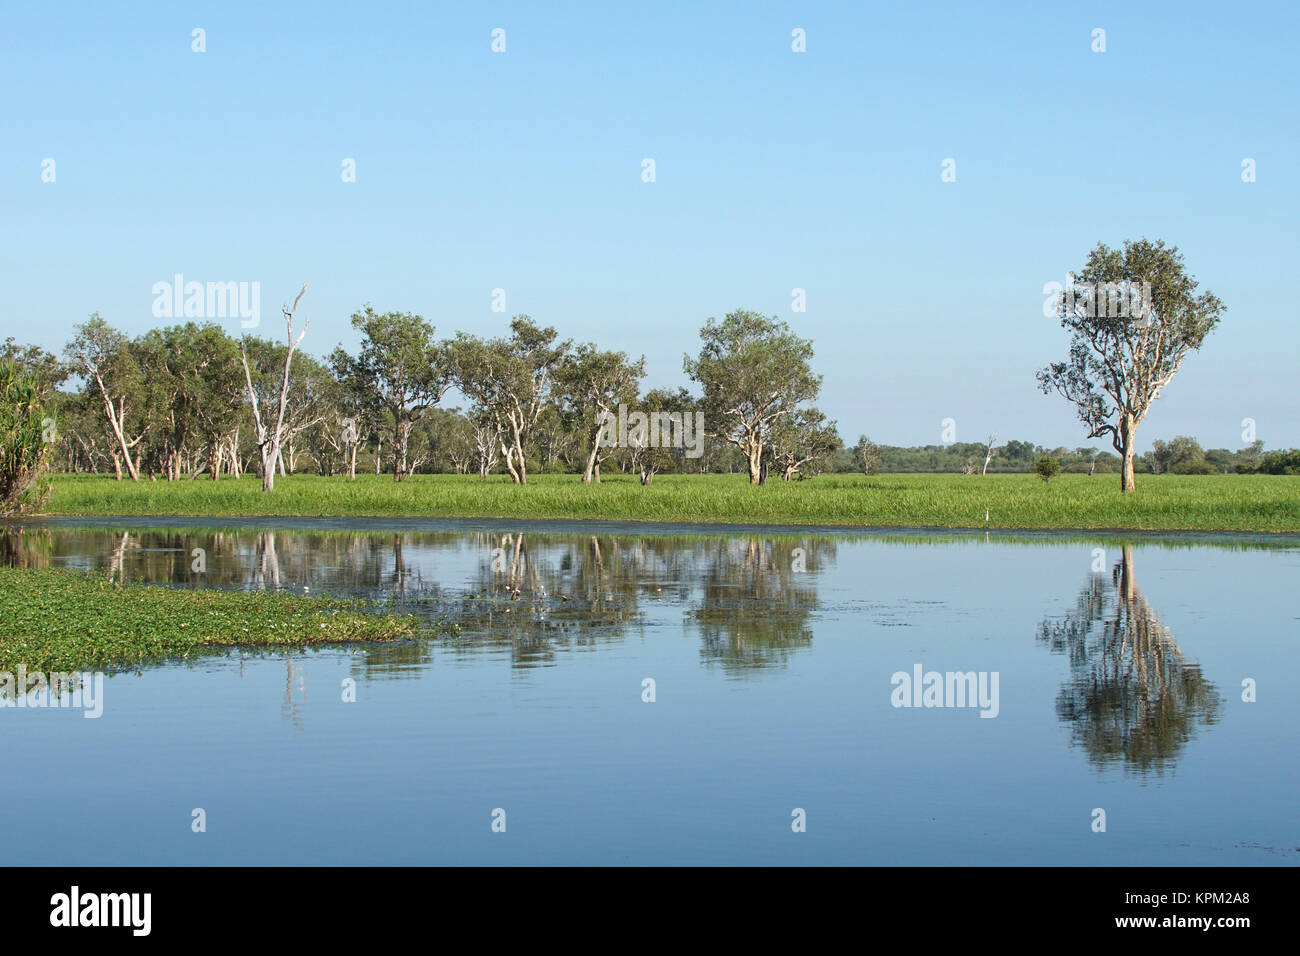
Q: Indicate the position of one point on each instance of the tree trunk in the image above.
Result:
(589, 472)
(754, 456)
(270, 456)
(1127, 431)
(403, 438)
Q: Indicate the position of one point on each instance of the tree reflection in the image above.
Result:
(1131, 696)
(758, 599)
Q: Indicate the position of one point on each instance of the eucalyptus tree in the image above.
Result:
(111, 367)
(592, 383)
(268, 397)
(866, 454)
(1125, 348)
(510, 380)
(400, 369)
(658, 441)
(196, 384)
(804, 443)
(43, 368)
(754, 371)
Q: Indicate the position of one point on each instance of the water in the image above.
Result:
(772, 654)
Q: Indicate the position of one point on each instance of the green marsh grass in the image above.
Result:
(1258, 503)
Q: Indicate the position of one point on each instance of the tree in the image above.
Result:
(988, 453)
(270, 433)
(803, 443)
(24, 445)
(401, 368)
(510, 381)
(867, 454)
(1121, 355)
(754, 371)
(44, 368)
(1047, 468)
(110, 364)
(1166, 457)
(651, 442)
(592, 384)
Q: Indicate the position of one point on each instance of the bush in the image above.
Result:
(1281, 462)
(24, 453)
(1194, 468)
(1047, 468)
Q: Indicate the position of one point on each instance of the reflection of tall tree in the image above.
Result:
(538, 599)
(1131, 696)
(290, 708)
(758, 600)
(266, 570)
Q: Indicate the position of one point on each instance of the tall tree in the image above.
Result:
(754, 371)
(403, 369)
(270, 432)
(593, 383)
(111, 367)
(1121, 358)
(509, 380)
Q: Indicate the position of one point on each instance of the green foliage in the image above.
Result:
(58, 620)
(1281, 462)
(24, 451)
(754, 371)
(1133, 315)
(1047, 468)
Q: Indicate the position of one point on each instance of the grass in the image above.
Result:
(56, 620)
(1255, 503)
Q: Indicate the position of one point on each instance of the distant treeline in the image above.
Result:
(190, 400)
(1181, 456)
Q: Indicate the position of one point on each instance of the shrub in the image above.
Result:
(1047, 468)
(1194, 468)
(24, 453)
(1281, 462)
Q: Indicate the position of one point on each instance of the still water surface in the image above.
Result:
(1119, 686)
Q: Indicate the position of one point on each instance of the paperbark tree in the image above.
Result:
(509, 380)
(106, 359)
(754, 371)
(401, 368)
(592, 384)
(1122, 357)
(270, 433)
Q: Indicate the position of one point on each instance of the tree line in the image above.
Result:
(190, 401)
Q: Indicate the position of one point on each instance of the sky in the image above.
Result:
(774, 170)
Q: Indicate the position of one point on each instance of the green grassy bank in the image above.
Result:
(1259, 503)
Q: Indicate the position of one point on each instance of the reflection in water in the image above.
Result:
(758, 600)
(1131, 696)
(750, 600)
(535, 595)
(294, 676)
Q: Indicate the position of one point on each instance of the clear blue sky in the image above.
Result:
(775, 170)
